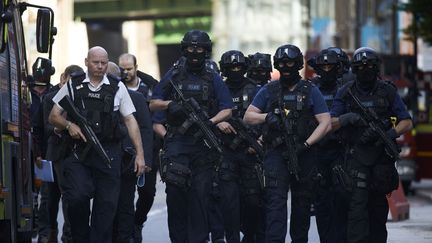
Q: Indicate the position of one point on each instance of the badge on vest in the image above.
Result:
(328, 97)
(94, 95)
(236, 99)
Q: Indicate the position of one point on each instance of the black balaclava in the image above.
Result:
(258, 76)
(328, 79)
(366, 77)
(234, 75)
(199, 64)
(291, 79)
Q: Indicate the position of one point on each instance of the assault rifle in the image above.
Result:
(372, 120)
(243, 134)
(92, 141)
(197, 116)
(289, 155)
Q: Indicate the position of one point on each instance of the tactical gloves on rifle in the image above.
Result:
(371, 136)
(350, 118)
(273, 120)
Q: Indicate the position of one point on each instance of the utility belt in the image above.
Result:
(184, 129)
(250, 181)
(274, 142)
(236, 144)
(179, 174)
(228, 171)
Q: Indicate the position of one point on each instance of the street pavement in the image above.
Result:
(418, 228)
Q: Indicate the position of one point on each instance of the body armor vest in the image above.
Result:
(242, 93)
(242, 96)
(200, 88)
(97, 107)
(297, 102)
(331, 140)
(380, 100)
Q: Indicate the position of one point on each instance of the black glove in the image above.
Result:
(209, 124)
(175, 108)
(175, 114)
(369, 136)
(391, 133)
(301, 148)
(349, 118)
(273, 120)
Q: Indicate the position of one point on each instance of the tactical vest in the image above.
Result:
(201, 89)
(97, 107)
(331, 140)
(297, 102)
(380, 100)
(242, 96)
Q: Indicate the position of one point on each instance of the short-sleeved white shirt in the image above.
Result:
(122, 100)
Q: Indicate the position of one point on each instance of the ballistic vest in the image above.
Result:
(297, 102)
(200, 88)
(242, 94)
(97, 106)
(380, 100)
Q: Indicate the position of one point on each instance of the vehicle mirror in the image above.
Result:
(43, 30)
(42, 70)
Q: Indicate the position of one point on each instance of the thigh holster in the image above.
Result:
(177, 174)
(360, 179)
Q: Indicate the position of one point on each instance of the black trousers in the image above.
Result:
(123, 229)
(147, 193)
(92, 179)
(279, 181)
(368, 211)
(225, 208)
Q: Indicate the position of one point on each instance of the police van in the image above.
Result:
(16, 180)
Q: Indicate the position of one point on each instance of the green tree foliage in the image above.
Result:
(422, 9)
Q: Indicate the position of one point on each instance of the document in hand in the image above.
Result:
(45, 173)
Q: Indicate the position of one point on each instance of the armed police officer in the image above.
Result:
(94, 172)
(237, 175)
(290, 108)
(195, 98)
(327, 66)
(260, 68)
(363, 108)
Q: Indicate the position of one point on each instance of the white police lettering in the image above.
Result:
(194, 87)
(368, 103)
(289, 97)
(94, 95)
(328, 97)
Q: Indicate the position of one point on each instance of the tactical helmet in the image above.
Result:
(196, 38)
(232, 58)
(365, 56)
(343, 58)
(260, 61)
(326, 57)
(288, 53)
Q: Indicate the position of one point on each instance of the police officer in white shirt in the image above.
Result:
(103, 101)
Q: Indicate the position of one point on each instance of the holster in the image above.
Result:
(178, 174)
(341, 178)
